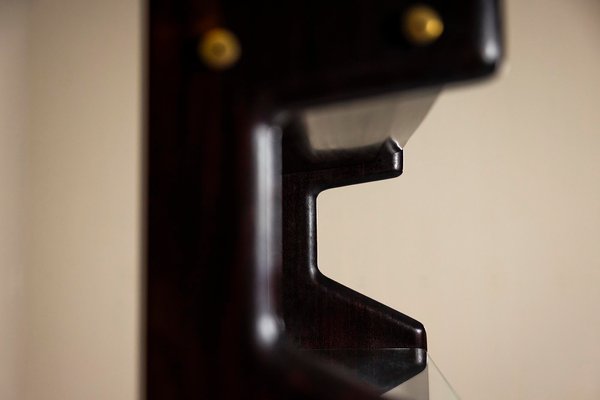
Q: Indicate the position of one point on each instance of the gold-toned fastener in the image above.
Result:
(422, 25)
(219, 48)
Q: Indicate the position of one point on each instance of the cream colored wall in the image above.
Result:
(13, 87)
(491, 236)
(82, 196)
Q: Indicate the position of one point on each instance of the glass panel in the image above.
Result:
(368, 121)
(430, 384)
(400, 374)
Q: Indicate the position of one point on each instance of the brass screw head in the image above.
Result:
(219, 49)
(422, 25)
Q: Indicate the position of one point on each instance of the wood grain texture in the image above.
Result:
(216, 322)
(320, 313)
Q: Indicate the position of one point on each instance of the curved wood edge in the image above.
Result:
(319, 312)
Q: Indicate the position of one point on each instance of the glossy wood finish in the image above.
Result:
(216, 324)
(318, 312)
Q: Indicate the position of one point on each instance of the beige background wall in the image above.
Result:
(490, 237)
(83, 200)
(70, 98)
(13, 39)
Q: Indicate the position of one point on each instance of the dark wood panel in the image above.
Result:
(216, 324)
